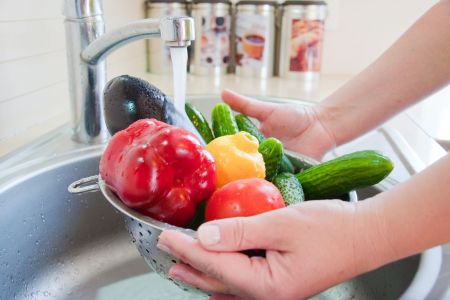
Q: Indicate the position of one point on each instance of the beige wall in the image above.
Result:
(360, 30)
(33, 75)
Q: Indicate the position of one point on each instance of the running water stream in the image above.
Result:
(179, 64)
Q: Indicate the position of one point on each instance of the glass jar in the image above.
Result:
(211, 52)
(302, 32)
(158, 54)
(255, 38)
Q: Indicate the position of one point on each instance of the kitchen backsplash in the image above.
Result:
(33, 72)
(33, 77)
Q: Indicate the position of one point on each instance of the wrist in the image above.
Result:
(372, 245)
(324, 128)
(343, 117)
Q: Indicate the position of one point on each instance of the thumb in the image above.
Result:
(266, 231)
(248, 106)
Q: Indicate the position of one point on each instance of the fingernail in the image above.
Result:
(209, 235)
(164, 248)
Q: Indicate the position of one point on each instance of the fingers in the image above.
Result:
(200, 280)
(264, 231)
(247, 106)
(231, 272)
(224, 297)
(197, 279)
(232, 269)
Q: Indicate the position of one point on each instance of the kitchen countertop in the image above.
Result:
(432, 114)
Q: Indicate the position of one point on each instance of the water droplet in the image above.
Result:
(42, 218)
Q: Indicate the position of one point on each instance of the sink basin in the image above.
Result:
(55, 245)
(62, 246)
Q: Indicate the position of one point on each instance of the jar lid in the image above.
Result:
(212, 1)
(149, 2)
(303, 2)
(256, 2)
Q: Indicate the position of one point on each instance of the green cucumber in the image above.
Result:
(290, 188)
(272, 152)
(298, 163)
(245, 124)
(333, 178)
(199, 121)
(286, 164)
(223, 122)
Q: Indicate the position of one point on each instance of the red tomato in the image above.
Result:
(243, 198)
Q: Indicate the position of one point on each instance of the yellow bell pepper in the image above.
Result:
(236, 157)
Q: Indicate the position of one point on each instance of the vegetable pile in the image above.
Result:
(233, 142)
(165, 172)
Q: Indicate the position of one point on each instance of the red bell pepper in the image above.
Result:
(160, 170)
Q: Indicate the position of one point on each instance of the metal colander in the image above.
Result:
(145, 231)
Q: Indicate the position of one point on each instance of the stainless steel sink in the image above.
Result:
(55, 245)
(58, 245)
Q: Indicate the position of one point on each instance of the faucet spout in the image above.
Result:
(114, 39)
(175, 31)
(87, 47)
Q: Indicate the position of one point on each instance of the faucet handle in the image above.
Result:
(177, 31)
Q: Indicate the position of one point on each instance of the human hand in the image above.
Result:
(310, 247)
(298, 127)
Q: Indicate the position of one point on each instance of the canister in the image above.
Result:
(302, 34)
(255, 38)
(158, 54)
(211, 52)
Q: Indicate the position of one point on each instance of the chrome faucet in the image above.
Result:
(88, 45)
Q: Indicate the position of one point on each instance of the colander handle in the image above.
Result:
(84, 185)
